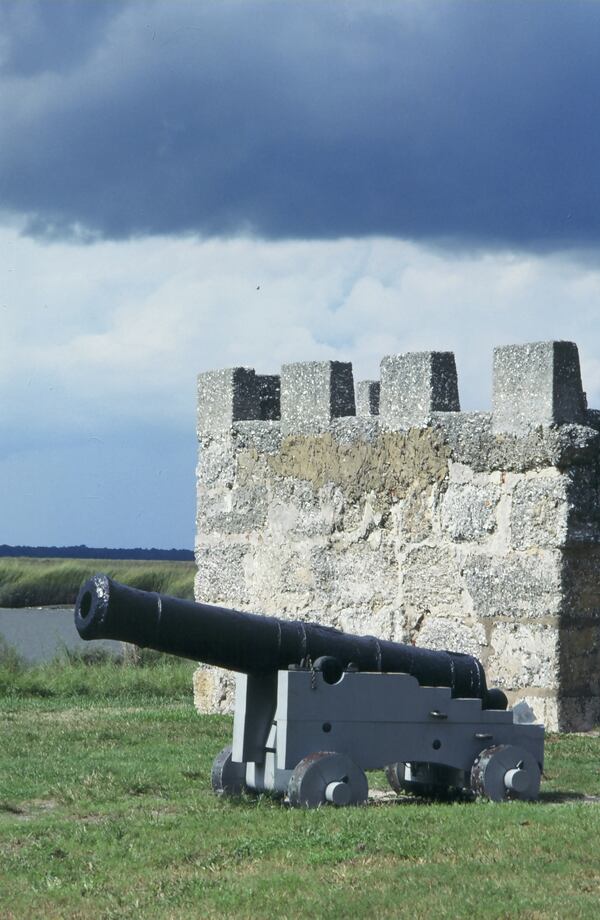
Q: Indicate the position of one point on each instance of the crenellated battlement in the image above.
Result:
(380, 507)
(534, 385)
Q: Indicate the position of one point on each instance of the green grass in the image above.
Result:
(73, 678)
(106, 812)
(39, 582)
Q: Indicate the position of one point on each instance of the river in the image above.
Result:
(41, 633)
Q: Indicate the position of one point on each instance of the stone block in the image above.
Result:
(355, 430)
(236, 510)
(358, 575)
(214, 690)
(581, 581)
(460, 473)
(472, 442)
(515, 585)
(469, 511)
(297, 508)
(226, 396)
(216, 466)
(450, 634)
(592, 418)
(539, 511)
(412, 516)
(576, 714)
(580, 658)
(263, 437)
(367, 397)
(364, 522)
(583, 505)
(313, 393)
(416, 384)
(268, 390)
(468, 435)
(430, 580)
(385, 622)
(221, 573)
(279, 577)
(524, 656)
(537, 384)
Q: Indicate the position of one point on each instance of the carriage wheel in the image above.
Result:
(325, 777)
(227, 776)
(506, 772)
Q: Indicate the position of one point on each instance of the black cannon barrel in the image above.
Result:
(253, 643)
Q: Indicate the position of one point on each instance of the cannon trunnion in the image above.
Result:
(316, 708)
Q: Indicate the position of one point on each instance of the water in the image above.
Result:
(41, 633)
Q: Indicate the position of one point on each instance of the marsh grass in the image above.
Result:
(28, 582)
(106, 812)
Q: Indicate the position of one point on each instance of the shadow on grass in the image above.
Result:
(558, 798)
(384, 799)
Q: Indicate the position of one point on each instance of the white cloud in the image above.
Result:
(114, 333)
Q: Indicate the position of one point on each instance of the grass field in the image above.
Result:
(106, 812)
(26, 582)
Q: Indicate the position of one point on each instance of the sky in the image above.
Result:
(187, 185)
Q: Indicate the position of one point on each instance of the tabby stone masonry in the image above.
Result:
(382, 508)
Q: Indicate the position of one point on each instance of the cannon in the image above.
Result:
(316, 708)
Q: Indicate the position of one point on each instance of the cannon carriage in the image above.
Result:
(316, 709)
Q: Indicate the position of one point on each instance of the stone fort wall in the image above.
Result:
(379, 507)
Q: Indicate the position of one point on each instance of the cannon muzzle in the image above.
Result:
(257, 644)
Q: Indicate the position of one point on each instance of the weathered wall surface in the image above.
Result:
(384, 509)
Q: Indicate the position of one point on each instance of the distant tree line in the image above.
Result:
(94, 552)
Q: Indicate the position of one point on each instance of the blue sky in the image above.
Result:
(187, 185)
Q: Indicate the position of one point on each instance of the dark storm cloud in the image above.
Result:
(467, 121)
(56, 35)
